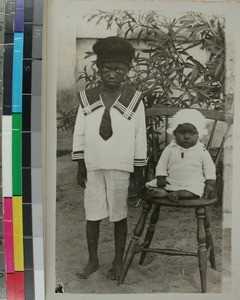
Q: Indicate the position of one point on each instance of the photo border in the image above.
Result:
(232, 11)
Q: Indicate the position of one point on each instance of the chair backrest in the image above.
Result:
(157, 125)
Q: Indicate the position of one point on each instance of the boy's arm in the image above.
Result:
(78, 147)
(82, 173)
(139, 178)
(140, 156)
(79, 136)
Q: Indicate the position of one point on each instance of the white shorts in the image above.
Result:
(106, 195)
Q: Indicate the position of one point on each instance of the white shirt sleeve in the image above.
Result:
(209, 168)
(162, 165)
(79, 136)
(140, 157)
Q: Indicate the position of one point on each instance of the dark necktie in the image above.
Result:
(105, 129)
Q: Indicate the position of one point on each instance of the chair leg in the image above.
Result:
(209, 239)
(202, 251)
(150, 232)
(132, 248)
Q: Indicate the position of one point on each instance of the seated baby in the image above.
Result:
(185, 168)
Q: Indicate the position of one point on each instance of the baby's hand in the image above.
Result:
(161, 181)
(209, 190)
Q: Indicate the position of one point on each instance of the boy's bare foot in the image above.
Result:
(116, 270)
(173, 196)
(90, 268)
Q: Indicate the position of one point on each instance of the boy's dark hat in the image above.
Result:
(113, 49)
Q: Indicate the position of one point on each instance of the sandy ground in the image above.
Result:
(160, 274)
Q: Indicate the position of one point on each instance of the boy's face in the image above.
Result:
(112, 74)
(186, 135)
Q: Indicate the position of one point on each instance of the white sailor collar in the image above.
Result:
(126, 104)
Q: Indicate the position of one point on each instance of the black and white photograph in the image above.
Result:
(141, 149)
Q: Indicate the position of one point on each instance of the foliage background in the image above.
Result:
(178, 62)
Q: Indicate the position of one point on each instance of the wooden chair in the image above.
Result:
(159, 117)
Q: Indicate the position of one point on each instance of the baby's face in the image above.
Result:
(186, 135)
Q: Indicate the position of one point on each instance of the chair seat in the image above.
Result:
(184, 202)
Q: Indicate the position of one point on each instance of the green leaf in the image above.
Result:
(148, 50)
(193, 45)
(139, 35)
(99, 20)
(201, 92)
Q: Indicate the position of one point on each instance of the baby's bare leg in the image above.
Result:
(182, 194)
(92, 231)
(158, 192)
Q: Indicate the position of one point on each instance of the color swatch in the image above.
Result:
(21, 219)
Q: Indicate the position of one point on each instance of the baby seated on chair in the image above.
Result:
(185, 169)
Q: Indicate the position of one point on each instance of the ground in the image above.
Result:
(160, 273)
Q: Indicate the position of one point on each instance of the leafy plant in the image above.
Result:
(178, 62)
(164, 67)
(66, 109)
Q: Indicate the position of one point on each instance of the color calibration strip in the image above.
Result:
(2, 261)
(23, 270)
(7, 148)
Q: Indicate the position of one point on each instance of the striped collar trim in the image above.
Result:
(86, 107)
(126, 111)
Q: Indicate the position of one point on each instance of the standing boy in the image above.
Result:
(109, 143)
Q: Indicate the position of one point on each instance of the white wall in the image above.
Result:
(73, 25)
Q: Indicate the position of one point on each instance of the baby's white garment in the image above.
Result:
(186, 169)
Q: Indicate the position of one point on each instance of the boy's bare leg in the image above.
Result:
(182, 194)
(92, 232)
(120, 235)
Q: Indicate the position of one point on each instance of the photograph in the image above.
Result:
(141, 149)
